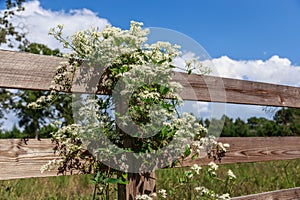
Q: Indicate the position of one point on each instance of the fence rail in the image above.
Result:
(35, 72)
(20, 160)
(286, 194)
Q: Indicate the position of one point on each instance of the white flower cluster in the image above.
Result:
(212, 166)
(143, 197)
(209, 145)
(51, 165)
(203, 191)
(231, 175)
(196, 168)
(62, 82)
(161, 193)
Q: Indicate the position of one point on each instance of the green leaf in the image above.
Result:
(153, 60)
(181, 180)
(123, 181)
(162, 61)
(146, 58)
(112, 180)
(164, 90)
(124, 175)
(187, 151)
(194, 156)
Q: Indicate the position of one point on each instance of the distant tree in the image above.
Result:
(14, 133)
(288, 121)
(228, 129)
(5, 97)
(262, 127)
(31, 120)
(12, 34)
(241, 128)
(41, 49)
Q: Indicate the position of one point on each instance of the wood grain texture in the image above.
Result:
(215, 89)
(286, 194)
(30, 71)
(26, 71)
(18, 160)
(253, 149)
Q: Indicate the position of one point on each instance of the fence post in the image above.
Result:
(139, 183)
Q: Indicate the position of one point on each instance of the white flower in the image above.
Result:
(163, 193)
(212, 166)
(226, 145)
(196, 168)
(153, 194)
(202, 190)
(231, 174)
(143, 197)
(33, 105)
(224, 197)
(189, 174)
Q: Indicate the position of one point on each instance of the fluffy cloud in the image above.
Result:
(37, 21)
(274, 70)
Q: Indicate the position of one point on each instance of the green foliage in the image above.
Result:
(285, 123)
(11, 34)
(42, 49)
(5, 98)
(30, 120)
(14, 133)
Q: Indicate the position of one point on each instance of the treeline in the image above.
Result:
(286, 122)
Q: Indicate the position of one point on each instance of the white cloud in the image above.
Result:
(274, 70)
(37, 21)
(196, 107)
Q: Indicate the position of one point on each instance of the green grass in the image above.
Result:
(251, 178)
(62, 187)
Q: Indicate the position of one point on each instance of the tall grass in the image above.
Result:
(251, 178)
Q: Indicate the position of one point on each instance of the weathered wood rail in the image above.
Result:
(35, 72)
(30, 71)
(285, 194)
(20, 160)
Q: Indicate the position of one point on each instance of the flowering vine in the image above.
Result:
(136, 119)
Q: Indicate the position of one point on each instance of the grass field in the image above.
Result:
(251, 178)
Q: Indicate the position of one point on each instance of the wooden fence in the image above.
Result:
(35, 72)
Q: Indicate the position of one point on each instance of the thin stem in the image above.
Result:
(95, 188)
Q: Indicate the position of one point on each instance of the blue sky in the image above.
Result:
(240, 29)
